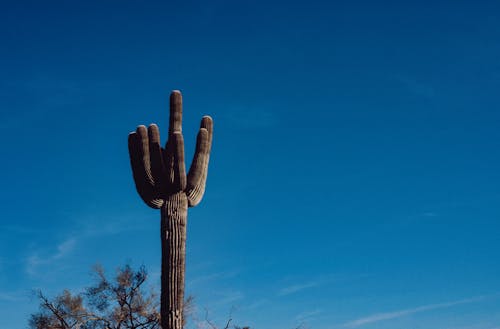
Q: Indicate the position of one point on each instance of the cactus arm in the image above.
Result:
(140, 163)
(168, 160)
(158, 170)
(170, 151)
(175, 121)
(179, 166)
(197, 175)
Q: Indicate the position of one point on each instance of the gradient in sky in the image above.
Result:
(354, 177)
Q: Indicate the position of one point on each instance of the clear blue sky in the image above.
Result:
(354, 178)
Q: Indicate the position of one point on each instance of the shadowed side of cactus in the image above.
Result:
(162, 183)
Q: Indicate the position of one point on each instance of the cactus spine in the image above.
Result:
(161, 181)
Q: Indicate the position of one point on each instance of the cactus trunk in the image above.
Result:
(161, 181)
(173, 244)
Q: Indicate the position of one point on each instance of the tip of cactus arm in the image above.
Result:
(207, 119)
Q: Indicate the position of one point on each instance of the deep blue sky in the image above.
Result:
(354, 177)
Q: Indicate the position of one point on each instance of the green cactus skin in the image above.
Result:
(161, 181)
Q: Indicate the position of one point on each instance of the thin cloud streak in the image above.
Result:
(298, 287)
(229, 297)
(212, 277)
(89, 229)
(305, 316)
(429, 214)
(397, 314)
(256, 304)
(63, 249)
(12, 297)
(315, 282)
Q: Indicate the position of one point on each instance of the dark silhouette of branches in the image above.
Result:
(118, 304)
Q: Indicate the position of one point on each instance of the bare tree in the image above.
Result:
(118, 304)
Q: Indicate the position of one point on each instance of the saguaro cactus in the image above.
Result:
(161, 181)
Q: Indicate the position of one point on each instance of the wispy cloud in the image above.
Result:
(92, 226)
(12, 296)
(298, 287)
(230, 297)
(256, 304)
(400, 313)
(212, 277)
(318, 281)
(225, 298)
(429, 214)
(63, 249)
(87, 228)
(482, 325)
(308, 315)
